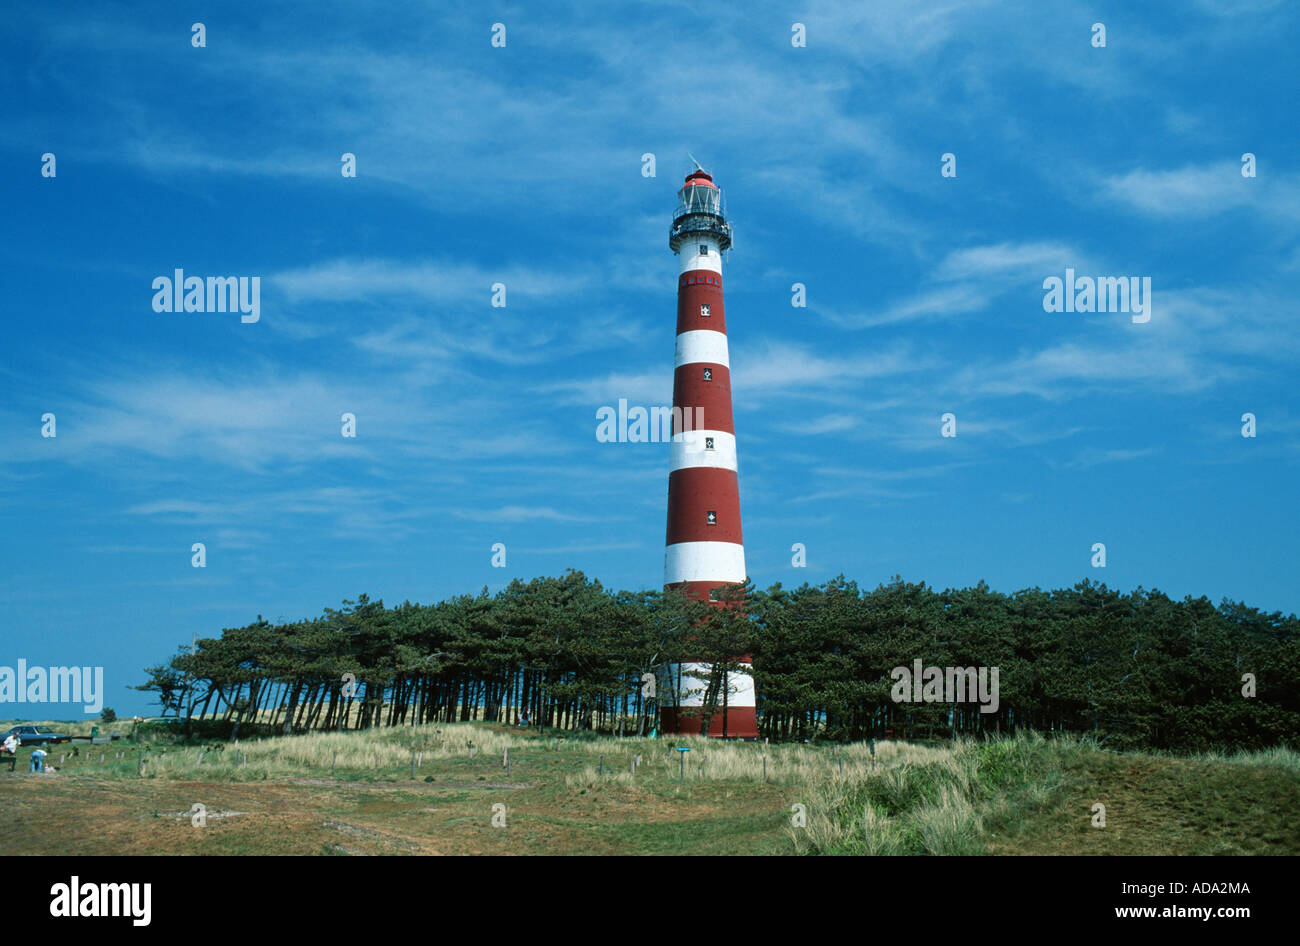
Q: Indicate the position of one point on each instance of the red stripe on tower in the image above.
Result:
(704, 549)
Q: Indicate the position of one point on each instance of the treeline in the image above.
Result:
(1137, 669)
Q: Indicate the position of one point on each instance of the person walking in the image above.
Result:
(10, 748)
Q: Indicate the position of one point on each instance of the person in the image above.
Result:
(38, 760)
(523, 718)
(10, 748)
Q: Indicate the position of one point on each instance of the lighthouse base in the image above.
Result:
(742, 722)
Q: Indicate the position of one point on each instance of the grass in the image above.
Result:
(1030, 795)
(944, 804)
(353, 793)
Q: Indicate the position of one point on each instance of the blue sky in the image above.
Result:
(522, 165)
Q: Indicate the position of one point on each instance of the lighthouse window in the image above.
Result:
(708, 374)
(712, 518)
(708, 443)
(704, 249)
(704, 311)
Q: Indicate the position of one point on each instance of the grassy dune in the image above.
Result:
(353, 793)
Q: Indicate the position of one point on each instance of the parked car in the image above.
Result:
(39, 735)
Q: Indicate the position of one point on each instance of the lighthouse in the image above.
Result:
(704, 549)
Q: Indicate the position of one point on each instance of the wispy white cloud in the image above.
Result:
(519, 514)
(967, 280)
(175, 507)
(1197, 191)
(1090, 457)
(827, 424)
(1005, 260)
(353, 280)
(647, 389)
(783, 369)
(1056, 371)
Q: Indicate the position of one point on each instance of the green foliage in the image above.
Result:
(943, 805)
(1136, 670)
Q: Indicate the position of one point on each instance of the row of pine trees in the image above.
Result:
(1135, 670)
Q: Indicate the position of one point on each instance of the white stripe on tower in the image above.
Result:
(719, 562)
(693, 259)
(702, 346)
(692, 678)
(703, 448)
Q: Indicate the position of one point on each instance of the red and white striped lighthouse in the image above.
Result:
(704, 545)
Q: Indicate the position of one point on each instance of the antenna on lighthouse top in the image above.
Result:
(698, 165)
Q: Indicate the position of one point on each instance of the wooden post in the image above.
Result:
(631, 766)
(764, 768)
(505, 758)
(334, 762)
(602, 766)
(412, 765)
